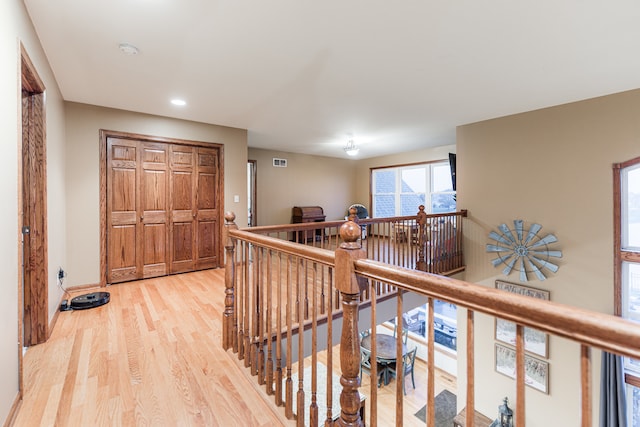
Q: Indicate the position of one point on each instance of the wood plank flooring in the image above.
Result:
(153, 357)
(413, 401)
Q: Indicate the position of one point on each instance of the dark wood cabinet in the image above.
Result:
(479, 420)
(304, 214)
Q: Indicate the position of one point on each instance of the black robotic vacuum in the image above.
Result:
(94, 299)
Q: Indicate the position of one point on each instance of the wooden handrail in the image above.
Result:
(323, 256)
(356, 276)
(604, 331)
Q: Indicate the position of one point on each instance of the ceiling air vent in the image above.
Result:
(279, 163)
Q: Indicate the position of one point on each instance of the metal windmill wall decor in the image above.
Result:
(523, 250)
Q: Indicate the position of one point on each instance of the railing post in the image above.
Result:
(349, 286)
(353, 215)
(228, 326)
(422, 238)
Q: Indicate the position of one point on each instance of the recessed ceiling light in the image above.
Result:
(178, 102)
(128, 49)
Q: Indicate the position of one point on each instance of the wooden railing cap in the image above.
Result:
(229, 216)
(350, 232)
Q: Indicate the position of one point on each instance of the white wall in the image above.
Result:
(83, 174)
(15, 27)
(552, 167)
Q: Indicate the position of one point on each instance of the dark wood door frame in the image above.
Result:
(33, 305)
(104, 134)
(253, 192)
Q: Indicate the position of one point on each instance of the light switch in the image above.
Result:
(236, 198)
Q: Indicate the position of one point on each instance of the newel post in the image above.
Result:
(421, 219)
(349, 286)
(228, 324)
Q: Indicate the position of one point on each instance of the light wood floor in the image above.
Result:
(153, 356)
(413, 401)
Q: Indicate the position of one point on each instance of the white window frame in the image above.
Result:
(428, 195)
(625, 256)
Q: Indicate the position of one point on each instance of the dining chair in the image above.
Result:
(408, 361)
(365, 365)
(405, 333)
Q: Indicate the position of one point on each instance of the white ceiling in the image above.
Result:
(304, 76)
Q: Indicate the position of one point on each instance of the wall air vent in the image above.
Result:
(279, 163)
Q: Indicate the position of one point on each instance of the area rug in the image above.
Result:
(445, 403)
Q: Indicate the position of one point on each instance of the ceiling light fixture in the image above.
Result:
(178, 102)
(128, 49)
(351, 148)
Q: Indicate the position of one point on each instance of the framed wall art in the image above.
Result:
(535, 342)
(536, 371)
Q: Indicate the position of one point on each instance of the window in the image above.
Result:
(398, 191)
(445, 323)
(627, 275)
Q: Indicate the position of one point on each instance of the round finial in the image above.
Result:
(350, 232)
(229, 216)
(421, 208)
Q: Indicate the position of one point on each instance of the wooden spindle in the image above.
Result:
(585, 376)
(229, 281)
(520, 377)
(261, 316)
(278, 373)
(329, 420)
(421, 219)
(350, 286)
(431, 365)
(470, 369)
(269, 331)
(254, 308)
(289, 382)
(246, 346)
(313, 409)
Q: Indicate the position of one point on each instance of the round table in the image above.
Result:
(385, 346)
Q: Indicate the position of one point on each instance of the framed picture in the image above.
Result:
(535, 341)
(536, 371)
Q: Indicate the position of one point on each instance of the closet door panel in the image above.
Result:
(206, 244)
(183, 209)
(122, 205)
(123, 253)
(207, 208)
(182, 254)
(154, 216)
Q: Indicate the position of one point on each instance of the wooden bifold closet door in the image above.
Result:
(162, 208)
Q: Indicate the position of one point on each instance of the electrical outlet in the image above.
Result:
(61, 273)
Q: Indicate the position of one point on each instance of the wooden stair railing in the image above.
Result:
(427, 242)
(272, 284)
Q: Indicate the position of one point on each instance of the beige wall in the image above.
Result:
(16, 28)
(552, 167)
(83, 125)
(306, 181)
(329, 182)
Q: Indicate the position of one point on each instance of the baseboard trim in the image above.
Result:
(69, 290)
(13, 411)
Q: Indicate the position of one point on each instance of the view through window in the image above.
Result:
(628, 277)
(445, 324)
(398, 191)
